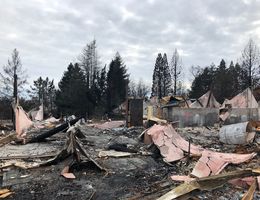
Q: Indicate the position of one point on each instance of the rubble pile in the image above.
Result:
(73, 159)
(94, 163)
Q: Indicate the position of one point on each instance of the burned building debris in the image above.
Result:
(156, 158)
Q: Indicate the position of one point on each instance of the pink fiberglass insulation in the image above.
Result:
(212, 163)
(22, 121)
(206, 101)
(170, 143)
(242, 182)
(172, 147)
(244, 99)
(39, 114)
(110, 125)
(170, 152)
(180, 142)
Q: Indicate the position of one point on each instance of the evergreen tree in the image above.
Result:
(157, 77)
(235, 80)
(43, 91)
(161, 77)
(102, 92)
(243, 77)
(117, 81)
(72, 96)
(166, 77)
(224, 82)
(202, 81)
(103, 82)
(221, 82)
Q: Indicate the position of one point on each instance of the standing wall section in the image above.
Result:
(192, 116)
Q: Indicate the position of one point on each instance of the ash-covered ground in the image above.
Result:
(139, 176)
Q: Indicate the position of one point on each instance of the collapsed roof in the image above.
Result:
(206, 101)
(244, 99)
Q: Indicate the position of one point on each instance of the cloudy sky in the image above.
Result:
(51, 33)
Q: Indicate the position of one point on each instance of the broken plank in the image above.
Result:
(249, 195)
(28, 156)
(7, 139)
(3, 191)
(2, 196)
(208, 183)
(184, 188)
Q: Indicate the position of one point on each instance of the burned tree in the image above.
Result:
(176, 68)
(142, 89)
(139, 89)
(13, 77)
(250, 62)
(89, 62)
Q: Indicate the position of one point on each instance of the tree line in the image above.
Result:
(87, 88)
(226, 81)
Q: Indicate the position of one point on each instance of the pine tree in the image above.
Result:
(157, 76)
(233, 80)
(220, 82)
(202, 81)
(43, 91)
(117, 81)
(166, 77)
(103, 82)
(72, 97)
(161, 77)
(102, 92)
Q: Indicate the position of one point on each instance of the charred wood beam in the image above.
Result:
(62, 127)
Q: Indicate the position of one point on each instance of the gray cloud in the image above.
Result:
(51, 33)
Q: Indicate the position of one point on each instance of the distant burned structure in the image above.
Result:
(206, 111)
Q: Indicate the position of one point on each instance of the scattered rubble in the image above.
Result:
(71, 159)
(208, 183)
